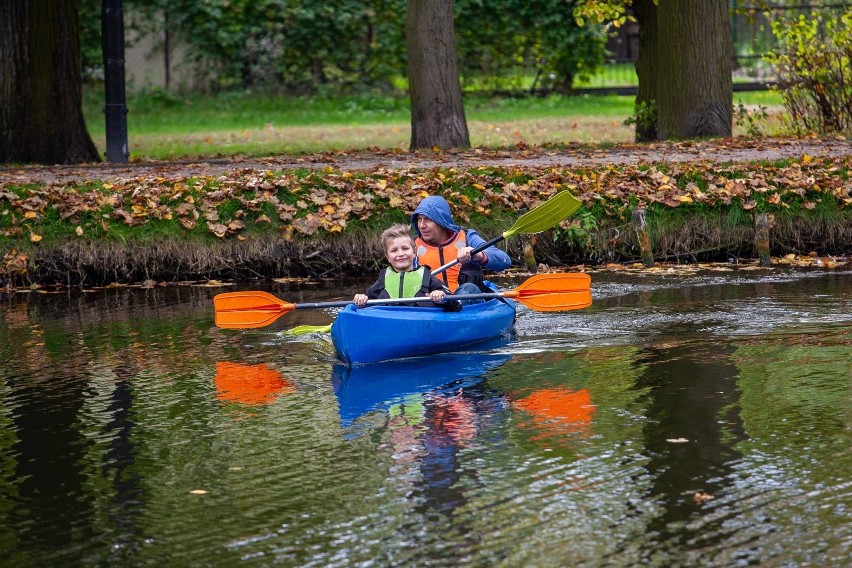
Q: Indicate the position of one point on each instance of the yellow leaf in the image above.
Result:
(479, 186)
(684, 198)
(328, 209)
(807, 159)
(108, 185)
(382, 183)
(35, 238)
(30, 215)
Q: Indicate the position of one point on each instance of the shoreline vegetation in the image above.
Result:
(156, 225)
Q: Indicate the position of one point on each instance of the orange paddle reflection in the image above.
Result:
(557, 411)
(252, 385)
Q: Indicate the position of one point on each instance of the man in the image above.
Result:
(439, 241)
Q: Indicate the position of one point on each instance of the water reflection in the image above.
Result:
(431, 409)
(691, 430)
(665, 426)
(251, 385)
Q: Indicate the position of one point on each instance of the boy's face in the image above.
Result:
(400, 253)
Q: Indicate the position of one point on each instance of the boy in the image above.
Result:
(401, 279)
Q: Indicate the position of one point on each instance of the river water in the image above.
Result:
(685, 419)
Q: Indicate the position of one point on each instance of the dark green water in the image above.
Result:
(682, 420)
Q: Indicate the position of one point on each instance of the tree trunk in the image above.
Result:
(437, 113)
(693, 66)
(645, 106)
(41, 80)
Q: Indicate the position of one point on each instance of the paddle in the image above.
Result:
(545, 216)
(542, 292)
(541, 218)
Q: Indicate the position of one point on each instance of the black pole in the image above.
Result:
(112, 34)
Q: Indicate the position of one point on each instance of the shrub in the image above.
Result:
(813, 66)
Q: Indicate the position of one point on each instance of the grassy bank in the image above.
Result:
(163, 125)
(303, 222)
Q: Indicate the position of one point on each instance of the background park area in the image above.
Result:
(278, 140)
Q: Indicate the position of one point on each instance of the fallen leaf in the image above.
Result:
(701, 497)
(217, 229)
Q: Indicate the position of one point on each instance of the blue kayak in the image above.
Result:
(383, 333)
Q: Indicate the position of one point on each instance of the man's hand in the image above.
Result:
(464, 256)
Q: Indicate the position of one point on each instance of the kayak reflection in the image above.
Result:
(425, 411)
(394, 386)
(252, 385)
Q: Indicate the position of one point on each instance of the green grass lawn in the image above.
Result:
(163, 125)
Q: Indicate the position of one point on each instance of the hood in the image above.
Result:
(436, 208)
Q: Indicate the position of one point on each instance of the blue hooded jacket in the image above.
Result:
(436, 208)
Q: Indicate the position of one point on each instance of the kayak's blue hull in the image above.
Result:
(383, 333)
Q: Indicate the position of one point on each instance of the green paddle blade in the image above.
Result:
(546, 216)
(306, 329)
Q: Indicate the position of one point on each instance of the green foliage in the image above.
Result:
(614, 11)
(90, 39)
(814, 70)
(751, 121)
(339, 47)
(644, 115)
(501, 38)
(578, 231)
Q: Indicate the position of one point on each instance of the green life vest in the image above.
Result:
(403, 284)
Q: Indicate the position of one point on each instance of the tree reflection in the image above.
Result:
(691, 430)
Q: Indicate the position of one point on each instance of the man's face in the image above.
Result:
(430, 231)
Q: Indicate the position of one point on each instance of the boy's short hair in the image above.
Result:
(393, 232)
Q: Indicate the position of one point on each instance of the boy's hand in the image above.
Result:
(360, 300)
(436, 296)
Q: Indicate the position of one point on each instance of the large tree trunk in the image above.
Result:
(437, 113)
(645, 107)
(693, 66)
(41, 116)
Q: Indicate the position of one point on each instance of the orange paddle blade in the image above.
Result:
(554, 292)
(248, 309)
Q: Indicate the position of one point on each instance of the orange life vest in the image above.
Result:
(437, 256)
